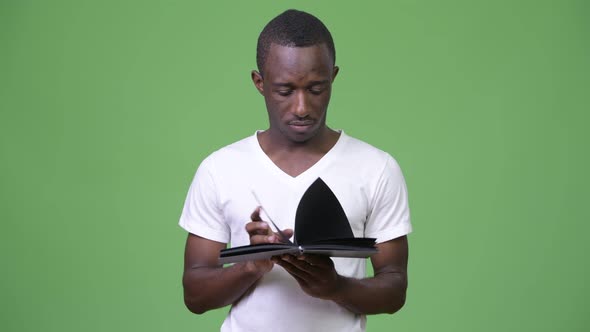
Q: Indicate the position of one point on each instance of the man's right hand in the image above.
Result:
(260, 232)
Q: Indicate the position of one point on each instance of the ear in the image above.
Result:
(258, 81)
(335, 72)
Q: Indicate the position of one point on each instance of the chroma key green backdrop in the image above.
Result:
(107, 108)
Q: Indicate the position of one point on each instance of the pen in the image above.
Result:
(282, 235)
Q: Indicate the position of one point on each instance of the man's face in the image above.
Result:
(296, 86)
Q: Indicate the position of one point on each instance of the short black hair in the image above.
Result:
(293, 28)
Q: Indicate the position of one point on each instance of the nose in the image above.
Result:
(301, 108)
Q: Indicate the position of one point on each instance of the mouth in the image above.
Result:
(301, 126)
(301, 123)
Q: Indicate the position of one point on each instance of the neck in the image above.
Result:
(272, 141)
(295, 158)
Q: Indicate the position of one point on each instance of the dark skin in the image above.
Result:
(296, 87)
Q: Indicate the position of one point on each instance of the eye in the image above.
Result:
(285, 92)
(316, 90)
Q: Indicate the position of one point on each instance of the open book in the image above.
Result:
(321, 227)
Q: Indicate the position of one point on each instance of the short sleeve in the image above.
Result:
(201, 214)
(390, 214)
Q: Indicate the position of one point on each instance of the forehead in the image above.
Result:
(284, 62)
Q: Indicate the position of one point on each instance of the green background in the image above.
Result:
(108, 107)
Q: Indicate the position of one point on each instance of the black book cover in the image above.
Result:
(321, 227)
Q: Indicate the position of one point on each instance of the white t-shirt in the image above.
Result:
(369, 185)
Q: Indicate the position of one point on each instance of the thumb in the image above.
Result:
(255, 216)
(288, 232)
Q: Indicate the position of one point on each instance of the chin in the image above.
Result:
(299, 140)
(302, 137)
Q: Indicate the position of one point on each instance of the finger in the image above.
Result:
(305, 266)
(257, 227)
(288, 232)
(258, 239)
(318, 261)
(293, 270)
(278, 261)
(255, 216)
(309, 272)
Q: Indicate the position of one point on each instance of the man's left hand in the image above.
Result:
(315, 274)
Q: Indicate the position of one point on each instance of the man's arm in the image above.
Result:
(385, 292)
(207, 284)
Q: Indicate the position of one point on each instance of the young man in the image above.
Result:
(296, 69)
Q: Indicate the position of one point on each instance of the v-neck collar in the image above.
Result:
(314, 169)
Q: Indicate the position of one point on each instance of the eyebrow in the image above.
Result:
(312, 83)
